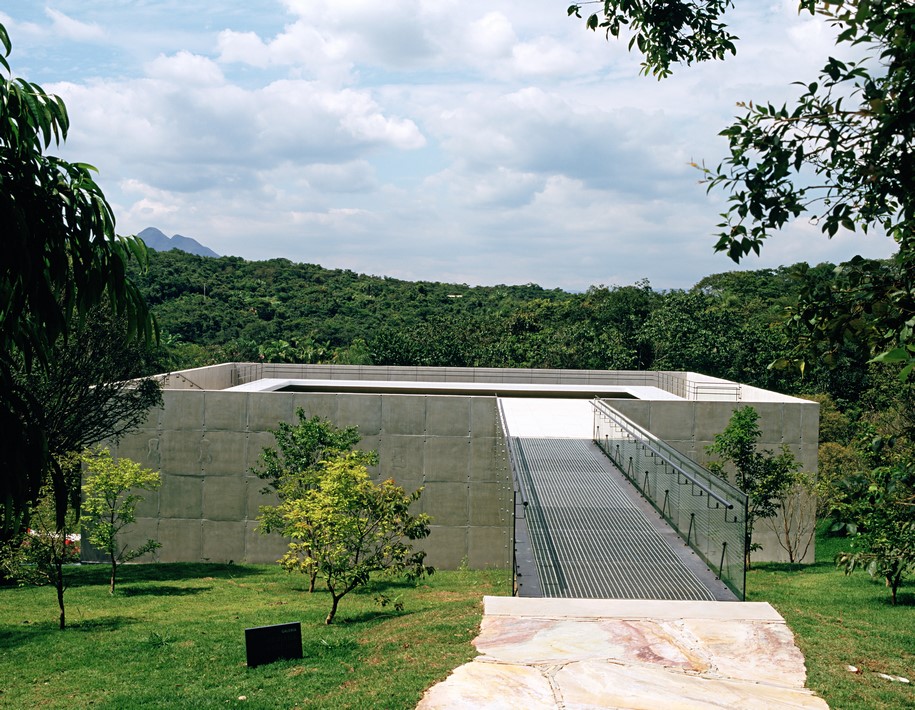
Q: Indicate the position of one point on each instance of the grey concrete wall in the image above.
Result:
(205, 443)
(691, 426)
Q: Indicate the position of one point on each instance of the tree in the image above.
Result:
(110, 503)
(85, 394)
(82, 395)
(885, 542)
(766, 478)
(60, 258)
(293, 467)
(40, 554)
(346, 527)
(842, 154)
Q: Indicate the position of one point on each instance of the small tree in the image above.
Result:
(291, 469)
(39, 555)
(795, 523)
(766, 478)
(346, 527)
(885, 543)
(110, 504)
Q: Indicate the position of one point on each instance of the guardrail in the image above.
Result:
(680, 384)
(706, 511)
(526, 578)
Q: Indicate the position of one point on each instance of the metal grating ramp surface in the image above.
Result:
(590, 539)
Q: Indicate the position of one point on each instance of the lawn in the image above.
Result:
(841, 621)
(172, 636)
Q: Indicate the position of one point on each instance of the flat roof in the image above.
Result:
(483, 389)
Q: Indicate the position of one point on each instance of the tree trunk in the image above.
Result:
(114, 569)
(333, 608)
(59, 583)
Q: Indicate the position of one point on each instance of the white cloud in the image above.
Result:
(185, 68)
(468, 140)
(70, 28)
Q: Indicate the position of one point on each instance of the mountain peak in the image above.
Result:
(156, 240)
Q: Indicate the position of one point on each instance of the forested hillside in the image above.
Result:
(728, 325)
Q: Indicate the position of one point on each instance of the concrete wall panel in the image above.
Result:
(446, 547)
(257, 441)
(223, 541)
(488, 504)
(182, 540)
(255, 498)
(181, 452)
(448, 416)
(361, 410)
(145, 528)
(323, 405)
(262, 549)
(149, 506)
(447, 458)
(266, 412)
(447, 503)
(225, 498)
(142, 447)
(402, 457)
(182, 410)
(223, 453)
(403, 414)
(181, 497)
(674, 421)
(489, 548)
(711, 419)
(487, 460)
(225, 411)
(484, 419)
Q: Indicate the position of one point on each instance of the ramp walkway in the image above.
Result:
(592, 535)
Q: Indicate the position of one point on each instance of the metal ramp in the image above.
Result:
(591, 534)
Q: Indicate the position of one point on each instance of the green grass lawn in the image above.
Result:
(172, 636)
(841, 621)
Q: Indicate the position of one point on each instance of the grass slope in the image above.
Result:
(841, 621)
(173, 636)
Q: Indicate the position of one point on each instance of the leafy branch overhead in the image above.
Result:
(843, 154)
(665, 32)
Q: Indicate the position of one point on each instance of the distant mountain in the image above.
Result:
(157, 241)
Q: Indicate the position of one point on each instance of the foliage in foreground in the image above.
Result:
(60, 258)
(840, 621)
(884, 519)
(145, 646)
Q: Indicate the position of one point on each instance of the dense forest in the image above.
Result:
(729, 325)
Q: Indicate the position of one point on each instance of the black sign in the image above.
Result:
(266, 644)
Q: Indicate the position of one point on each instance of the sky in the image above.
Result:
(463, 141)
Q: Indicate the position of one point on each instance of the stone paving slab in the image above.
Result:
(577, 654)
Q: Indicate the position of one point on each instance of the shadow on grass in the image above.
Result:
(92, 574)
(31, 632)
(365, 617)
(785, 567)
(160, 590)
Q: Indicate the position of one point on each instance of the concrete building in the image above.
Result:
(432, 427)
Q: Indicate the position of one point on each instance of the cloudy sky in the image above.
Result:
(469, 141)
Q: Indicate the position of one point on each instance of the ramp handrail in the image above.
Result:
(526, 581)
(710, 517)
